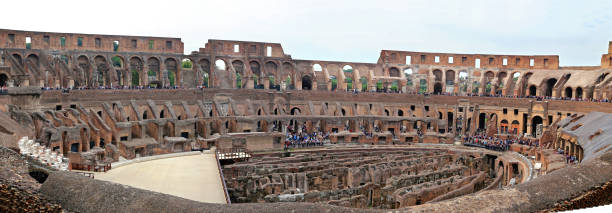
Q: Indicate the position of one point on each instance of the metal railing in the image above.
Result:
(227, 198)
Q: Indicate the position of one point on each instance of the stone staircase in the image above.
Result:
(44, 155)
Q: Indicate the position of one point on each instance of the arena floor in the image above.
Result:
(193, 177)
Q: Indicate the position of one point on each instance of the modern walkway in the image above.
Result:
(194, 177)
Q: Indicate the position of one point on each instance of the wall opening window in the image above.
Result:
(80, 41)
(450, 59)
(46, 39)
(477, 63)
(236, 48)
(63, 41)
(11, 38)
(546, 62)
(491, 60)
(115, 46)
(28, 42)
(505, 61)
(134, 43)
(518, 61)
(268, 51)
(408, 59)
(531, 62)
(423, 57)
(515, 111)
(151, 43)
(253, 48)
(98, 42)
(168, 44)
(463, 60)
(437, 59)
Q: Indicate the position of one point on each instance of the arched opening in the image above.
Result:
(364, 84)
(349, 83)
(515, 126)
(257, 75)
(117, 61)
(450, 81)
(3, 80)
(437, 75)
(295, 111)
(205, 67)
(488, 81)
(504, 126)
(536, 126)
(437, 88)
(578, 92)
(187, 64)
(347, 68)
(500, 82)
(102, 69)
(171, 68)
(135, 69)
(220, 64)
(550, 84)
(532, 90)
(408, 76)
(343, 112)
(317, 68)
(568, 92)
(271, 69)
(153, 72)
(334, 82)
(394, 72)
(463, 81)
(306, 83)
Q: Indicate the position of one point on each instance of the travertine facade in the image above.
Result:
(96, 99)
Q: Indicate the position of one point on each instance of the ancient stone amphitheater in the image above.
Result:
(433, 132)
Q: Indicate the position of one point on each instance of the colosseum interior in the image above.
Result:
(414, 131)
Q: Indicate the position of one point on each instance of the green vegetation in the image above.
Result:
(379, 85)
(187, 64)
(423, 86)
(349, 83)
(364, 84)
(205, 80)
(116, 60)
(135, 78)
(171, 78)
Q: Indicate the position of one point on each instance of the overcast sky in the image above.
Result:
(355, 30)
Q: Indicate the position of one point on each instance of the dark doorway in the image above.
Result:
(482, 118)
(550, 84)
(532, 90)
(537, 120)
(3, 80)
(306, 83)
(437, 88)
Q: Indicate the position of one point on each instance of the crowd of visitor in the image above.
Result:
(498, 144)
(570, 159)
(302, 139)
